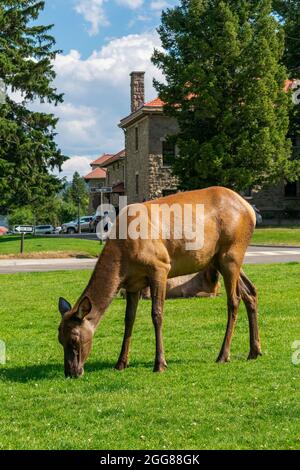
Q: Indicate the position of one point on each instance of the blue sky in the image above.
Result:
(102, 42)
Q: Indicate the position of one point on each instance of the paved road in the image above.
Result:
(255, 255)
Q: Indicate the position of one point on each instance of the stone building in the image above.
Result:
(143, 170)
(115, 177)
(108, 171)
(96, 180)
(148, 154)
(148, 170)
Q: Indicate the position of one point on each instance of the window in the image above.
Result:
(168, 153)
(137, 184)
(136, 130)
(290, 190)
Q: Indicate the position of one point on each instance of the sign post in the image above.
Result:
(23, 229)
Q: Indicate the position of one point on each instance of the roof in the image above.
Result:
(119, 188)
(156, 103)
(98, 173)
(101, 160)
(118, 156)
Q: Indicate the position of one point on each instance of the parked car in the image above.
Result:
(44, 229)
(57, 230)
(72, 227)
(259, 219)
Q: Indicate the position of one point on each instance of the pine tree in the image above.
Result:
(289, 14)
(28, 151)
(77, 192)
(225, 85)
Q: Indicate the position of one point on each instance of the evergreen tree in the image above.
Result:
(77, 191)
(289, 14)
(28, 151)
(222, 61)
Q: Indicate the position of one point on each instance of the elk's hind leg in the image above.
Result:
(230, 270)
(132, 300)
(249, 296)
(158, 286)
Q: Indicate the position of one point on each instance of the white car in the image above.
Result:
(44, 230)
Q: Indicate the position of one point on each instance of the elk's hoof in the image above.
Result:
(223, 359)
(254, 355)
(121, 365)
(160, 367)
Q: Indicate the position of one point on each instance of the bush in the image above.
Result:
(22, 215)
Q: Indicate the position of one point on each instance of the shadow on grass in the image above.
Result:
(40, 372)
(43, 372)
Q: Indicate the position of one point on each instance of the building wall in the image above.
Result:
(160, 176)
(274, 204)
(147, 161)
(115, 174)
(95, 198)
(137, 162)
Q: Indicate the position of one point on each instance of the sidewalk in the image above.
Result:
(47, 262)
(12, 266)
(255, 255)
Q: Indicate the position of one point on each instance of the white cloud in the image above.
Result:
(158, 4)
(97, 95)
(111, 65)
(133, 4)
(77, 163)
(93, 12)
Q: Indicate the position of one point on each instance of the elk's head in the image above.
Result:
(75, 334)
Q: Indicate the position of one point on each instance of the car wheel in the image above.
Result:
(71, 231)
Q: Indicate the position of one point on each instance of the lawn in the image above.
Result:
(196, 404)
(277, 236)
(49, 247)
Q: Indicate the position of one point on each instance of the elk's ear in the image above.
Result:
(64, 306)
(84, 308)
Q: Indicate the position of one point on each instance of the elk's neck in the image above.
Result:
(104, 283)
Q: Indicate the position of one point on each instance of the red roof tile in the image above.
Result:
(118, 156)
(156, 103)
(101, 160)
(98, 173)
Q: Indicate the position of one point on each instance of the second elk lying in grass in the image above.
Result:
(203, 284)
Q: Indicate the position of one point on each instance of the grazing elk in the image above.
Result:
(135, 264)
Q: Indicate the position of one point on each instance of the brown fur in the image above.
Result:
(137, 264)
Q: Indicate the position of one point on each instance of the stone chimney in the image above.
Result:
(137, 90)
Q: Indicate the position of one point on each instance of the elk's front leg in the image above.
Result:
(132, 300)
(158, 294)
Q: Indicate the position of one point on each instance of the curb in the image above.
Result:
(276, 246)
(13, 262)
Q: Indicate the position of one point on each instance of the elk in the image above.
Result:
(134, 264)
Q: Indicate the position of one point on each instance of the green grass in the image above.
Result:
(277, 236)
(10, 245)
(196, 404)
